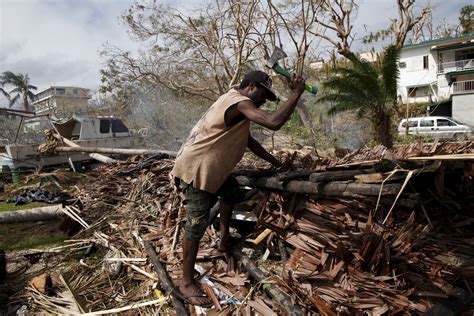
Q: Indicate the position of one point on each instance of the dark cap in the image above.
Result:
(262, 79)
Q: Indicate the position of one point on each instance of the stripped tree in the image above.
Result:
(202, 53)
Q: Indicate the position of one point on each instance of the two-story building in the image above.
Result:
(440, 72)
(61, 101)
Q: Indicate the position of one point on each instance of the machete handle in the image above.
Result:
(282, 71)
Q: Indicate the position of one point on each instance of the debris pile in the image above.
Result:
(372, 232)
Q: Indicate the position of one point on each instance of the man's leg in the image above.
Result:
(229, 195)
(198, 204)
(188, 285)
(226, 209)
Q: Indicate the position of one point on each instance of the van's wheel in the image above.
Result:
(460, 137)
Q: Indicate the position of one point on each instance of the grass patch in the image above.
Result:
(8, 207)
(30, 235)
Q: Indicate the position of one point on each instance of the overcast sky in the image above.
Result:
(57, 41)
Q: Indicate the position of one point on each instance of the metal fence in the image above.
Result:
(466, 86)
(456, 65)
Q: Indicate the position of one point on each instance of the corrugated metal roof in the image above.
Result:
(443, 41)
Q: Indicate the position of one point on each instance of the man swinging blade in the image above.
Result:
(215, 145)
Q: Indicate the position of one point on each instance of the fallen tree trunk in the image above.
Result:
(323, 189)
(95, 156)
(31, 215)
(119, 151)
(280, 297)
(339, 175)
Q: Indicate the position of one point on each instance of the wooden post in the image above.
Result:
(164, 279)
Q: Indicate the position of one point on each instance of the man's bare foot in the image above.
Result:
(193, 293)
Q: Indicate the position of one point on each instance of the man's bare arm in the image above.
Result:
(275, 120)
(258, 150)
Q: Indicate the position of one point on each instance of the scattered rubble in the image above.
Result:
(369, 233)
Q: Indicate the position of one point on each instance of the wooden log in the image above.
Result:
(32, 215)
(165, 280)
(3, 266)
(458, 301)
(323, 189)
(118, 151)
(279, 296)
(407, 201)
(335, 188)
(95, 156)
(380, 177)
(283, 253)
(292, 175)
(339, 175)
(254, 173)
(386, 165)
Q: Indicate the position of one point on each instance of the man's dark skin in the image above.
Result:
(236, 113)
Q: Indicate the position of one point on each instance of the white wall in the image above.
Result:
(444, 89)
(414, 74)
(463, 108)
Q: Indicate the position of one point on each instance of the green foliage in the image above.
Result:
(390, 71)
(409, 139)
(378, 36)
(21, 87)
(369, 89)
(10, 207)
(295, 127)
(466, 19)
(30, 236)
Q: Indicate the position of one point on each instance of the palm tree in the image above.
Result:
(21, 86)
(4, 92)
(369, 88)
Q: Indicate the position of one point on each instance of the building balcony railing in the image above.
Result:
(461, 87)
(456, 66)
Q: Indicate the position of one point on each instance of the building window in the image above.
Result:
(75, 91)
(60, 91)
(425, 62)
(411, 92)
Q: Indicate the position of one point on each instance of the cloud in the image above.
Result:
(57, 41)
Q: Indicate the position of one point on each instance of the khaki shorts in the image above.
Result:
(198, 205)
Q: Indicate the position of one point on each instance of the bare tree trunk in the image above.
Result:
(382, 129)
(305, 116)
(32, 215)
(25, 102)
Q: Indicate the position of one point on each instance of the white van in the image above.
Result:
(435, 127)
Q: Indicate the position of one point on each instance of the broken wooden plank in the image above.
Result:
(445, 157)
